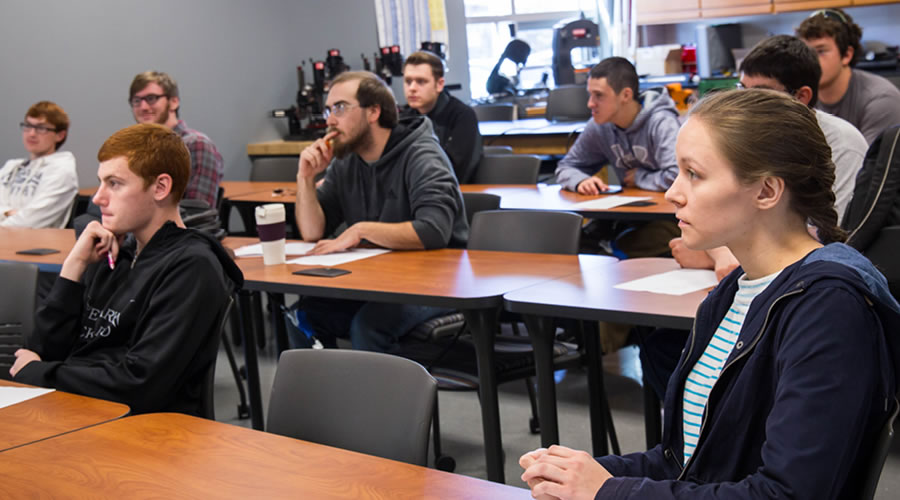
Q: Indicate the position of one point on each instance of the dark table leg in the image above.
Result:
(484, 323)
(248, 328)
(596, 389)
(541, 331)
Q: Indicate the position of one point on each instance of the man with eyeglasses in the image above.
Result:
(786, 64)
(390, 183)
(154, 99)
(871, 103)
(38, 191)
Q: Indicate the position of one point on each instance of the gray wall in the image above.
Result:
(234, 61)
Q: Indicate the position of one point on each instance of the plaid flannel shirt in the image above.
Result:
(207, 167)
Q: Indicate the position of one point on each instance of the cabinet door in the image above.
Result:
(810, 5)
(667, 11)
(726, 8)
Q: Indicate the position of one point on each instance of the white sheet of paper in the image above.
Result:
(336, 259)
(292, 248)
(678, 282)
(12, 395)
(607, 202)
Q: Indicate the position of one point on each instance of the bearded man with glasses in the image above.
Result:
(39, 190)
(154, 99)
(389, 183)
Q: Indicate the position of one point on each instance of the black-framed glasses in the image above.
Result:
(39, 129)
(337, 110)
(150, 98)
(830, 14)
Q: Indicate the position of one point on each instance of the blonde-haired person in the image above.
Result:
(133, 319)
(789, 371)
(38, 191)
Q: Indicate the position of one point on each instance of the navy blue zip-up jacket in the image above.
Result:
(802, 395)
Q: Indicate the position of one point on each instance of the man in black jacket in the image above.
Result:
(391, 184)
(134, 320)
(455, 124)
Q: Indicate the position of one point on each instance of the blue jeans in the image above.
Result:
(371, 326)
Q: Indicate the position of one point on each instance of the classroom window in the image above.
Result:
(490, 25)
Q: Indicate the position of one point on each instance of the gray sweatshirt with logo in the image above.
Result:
(647, 145)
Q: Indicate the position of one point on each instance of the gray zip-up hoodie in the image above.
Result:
(412, 181)
(648, 145)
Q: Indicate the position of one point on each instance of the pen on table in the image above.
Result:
(109, 258)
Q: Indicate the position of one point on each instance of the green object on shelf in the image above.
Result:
(708, 84)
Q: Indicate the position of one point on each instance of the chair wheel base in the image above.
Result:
(534, 425)
(445, 463)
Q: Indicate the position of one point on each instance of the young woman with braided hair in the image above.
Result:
(789, 371)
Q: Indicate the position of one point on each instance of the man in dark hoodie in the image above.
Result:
(134, 320)
(392, 185)
(455, 124)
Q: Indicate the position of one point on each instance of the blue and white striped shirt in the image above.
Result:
(701, 379)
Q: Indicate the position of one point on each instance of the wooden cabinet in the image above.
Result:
(667, 11)
(808, 5)
(728, 8)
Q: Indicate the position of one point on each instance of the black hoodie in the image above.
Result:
(143, 334)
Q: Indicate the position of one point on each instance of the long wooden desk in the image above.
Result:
(590, 295)
(471, 281)
(513, 196)
(532, 135)
(553, 197)
(13, 239)
(168, 455)
(51, 415)
(277, 148)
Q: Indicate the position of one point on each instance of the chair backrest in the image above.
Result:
(568, 103)
(873, 463)
(876, 196)
(883, 252)
(495, 112)
(532, 231)
(17, 306)
(362, 401)
(497, 150)
(274, 169)
(207, 403)
(477, 202)
(508, 169)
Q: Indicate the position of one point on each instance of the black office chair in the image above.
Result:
(495, 112)
(497, 150)
(873, 462)
(362, 401)
(568, 103)
(274, 169)
(508, 169)
(207, 403)
(17, 306)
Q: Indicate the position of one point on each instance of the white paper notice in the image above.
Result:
(336, 259)
(12, 395)
(291, 248)
(678, 282)
(607, 202)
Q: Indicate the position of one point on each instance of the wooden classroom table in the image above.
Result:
(278, 147)
(468, 280)
(170, 455)
(553, 197)
(590, 295)
(532, 135)
(13, 239)
(51, 415)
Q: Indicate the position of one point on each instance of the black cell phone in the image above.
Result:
(323, 272)
(639, 203)
(38, 251)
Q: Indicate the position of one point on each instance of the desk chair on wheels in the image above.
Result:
(17, 305)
